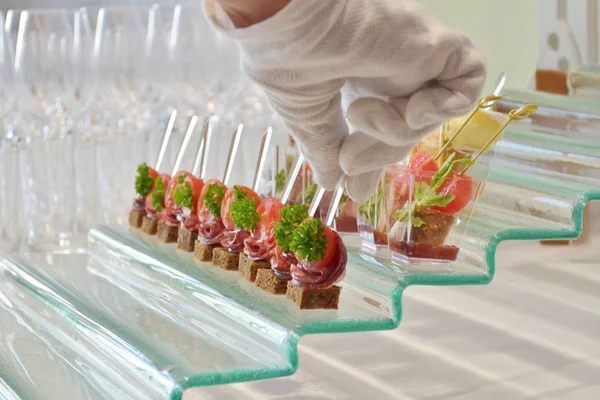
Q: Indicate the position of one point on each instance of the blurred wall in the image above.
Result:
(507, 31)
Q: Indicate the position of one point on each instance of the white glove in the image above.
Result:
(400, 71)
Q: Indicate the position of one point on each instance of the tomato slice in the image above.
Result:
(228, 201)
(201, 207)
(269, 211)
(153, 173)
(422, 162)
(166, 178)
(174, 184)
(461, 186)
(331, 249)
(197, 185)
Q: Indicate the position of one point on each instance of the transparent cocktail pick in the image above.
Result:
(189, 132)
(314, 205)
(208, 134)
(233, 149)
(335, 203)
(500, 84)
(275, 170)
(514, 115)
(486, 102)
(197, 170)
(166, 140)
(291, 180)
(263, 155)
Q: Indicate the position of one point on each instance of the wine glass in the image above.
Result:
(206, 78)
(52, 72)
(8, 151)
(132, 69)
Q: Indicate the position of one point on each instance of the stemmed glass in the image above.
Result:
(206, 74)
(8, 151)
(52, 72)
(130, 56)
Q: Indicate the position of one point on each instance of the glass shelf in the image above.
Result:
(153, 322)
(131, 318)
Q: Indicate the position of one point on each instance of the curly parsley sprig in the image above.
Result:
(214, 197)
(309, 193)
(280, 181)
(158, 195)
(243, 210)
(290, 218)
(143, 181)
(374, 206)
(184, 196)
(309, 241)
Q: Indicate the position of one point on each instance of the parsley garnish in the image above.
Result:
(214, 197)
(143, 181)
(308, 240)
(309, 193)
(280, 181)
(290, 218)
(158, 195)
(183, 196)
(426, 194)
(372, 208)
(243, 210)
(181, 178)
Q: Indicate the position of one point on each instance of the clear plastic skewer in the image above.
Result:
(275, 171)
(186, 141)
(233, 149)
(166, 140)
(207, 145)
(289, 186)
(200, 154)
(334, 205)
(500, 84)
(314, 205)
(262, 158)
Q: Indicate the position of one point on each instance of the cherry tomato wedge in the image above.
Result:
(330, 250)
(462, 189)
(197, 185)
(422, 162)
(203, 210)
(269, 211)
(153, 173)
(166, 178)
(174, 184)
(228, 201)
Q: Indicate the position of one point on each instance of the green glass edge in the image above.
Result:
(550, 100)
(425, 279)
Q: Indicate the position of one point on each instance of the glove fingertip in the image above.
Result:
(361, 187)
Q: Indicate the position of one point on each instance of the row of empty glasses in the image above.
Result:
(85, 95)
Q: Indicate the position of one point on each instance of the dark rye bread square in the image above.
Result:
(186, 239)
(269, 282)
(248, 268)
(204, 253)
(167, 234)
(225, 260)
(136, 218)
(149, 225)
(314, 299)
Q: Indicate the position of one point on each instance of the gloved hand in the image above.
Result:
(400, 71)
